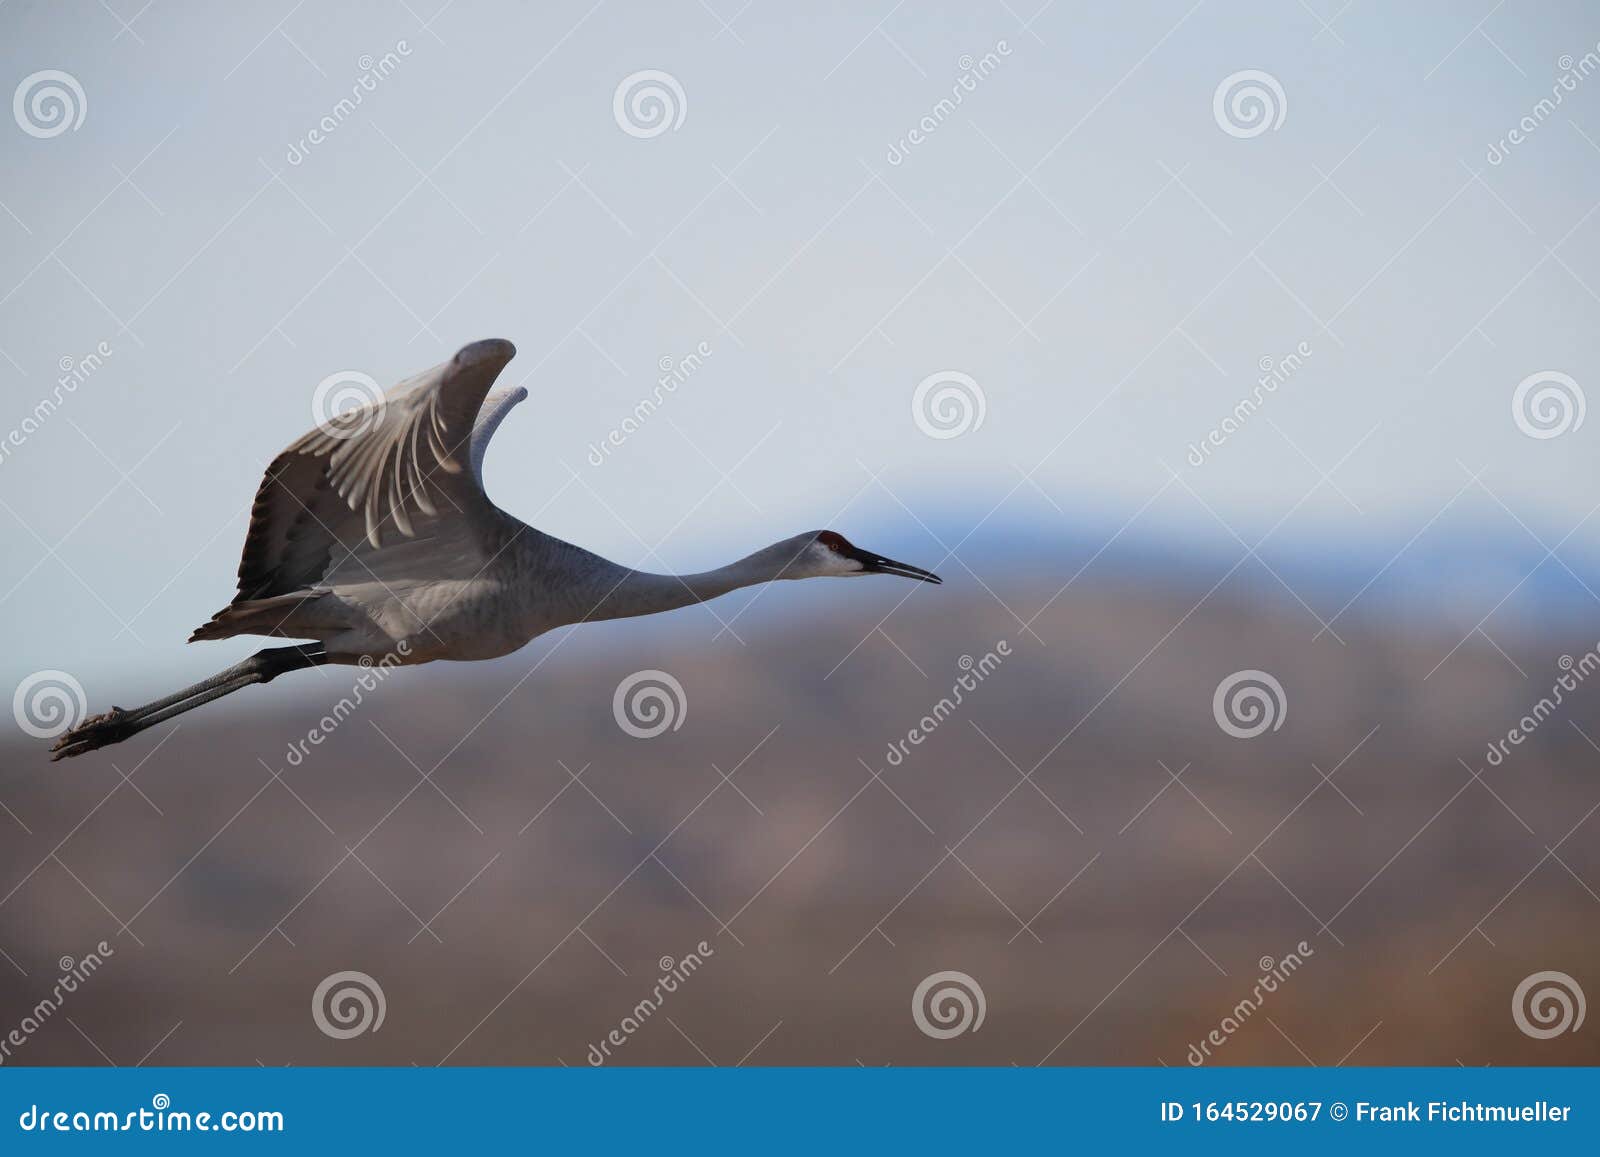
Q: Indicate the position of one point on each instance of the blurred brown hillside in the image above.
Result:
(1080, 837)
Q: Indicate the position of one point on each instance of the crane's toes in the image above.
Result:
(95, 732)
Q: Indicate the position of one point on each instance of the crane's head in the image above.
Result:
(831, 554)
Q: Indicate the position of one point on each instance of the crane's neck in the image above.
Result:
(625, 593)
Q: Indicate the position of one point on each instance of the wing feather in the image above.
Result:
(494, 410)
(377, 472)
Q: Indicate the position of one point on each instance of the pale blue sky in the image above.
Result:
(1080, 237)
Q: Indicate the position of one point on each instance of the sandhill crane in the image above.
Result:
(372, 534)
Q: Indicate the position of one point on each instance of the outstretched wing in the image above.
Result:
(397, 468)
(496, 406)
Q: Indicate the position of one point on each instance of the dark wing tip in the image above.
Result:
(490, 350)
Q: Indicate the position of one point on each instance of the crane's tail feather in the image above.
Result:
(279, 615)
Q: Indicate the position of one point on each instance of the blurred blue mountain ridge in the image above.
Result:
(1469, 563)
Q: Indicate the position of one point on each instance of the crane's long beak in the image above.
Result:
(877, 564)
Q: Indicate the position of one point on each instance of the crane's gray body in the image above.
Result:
(374, 529)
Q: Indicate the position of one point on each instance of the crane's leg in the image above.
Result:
(119, 723)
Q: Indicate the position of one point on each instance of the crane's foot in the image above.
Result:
(95, 732)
